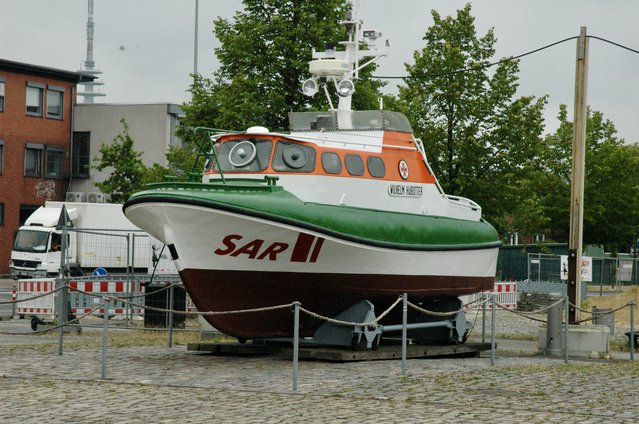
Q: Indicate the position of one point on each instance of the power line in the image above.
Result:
(613, 43)
(508, 59)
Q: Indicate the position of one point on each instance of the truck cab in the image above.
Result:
(37, 246)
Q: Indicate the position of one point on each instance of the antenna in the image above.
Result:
(342, 67)
(89, 65)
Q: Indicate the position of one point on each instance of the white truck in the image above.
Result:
(102, 239)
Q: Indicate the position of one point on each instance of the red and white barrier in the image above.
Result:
(506, 292)
(27, 289)
(93, 292)
(81, 303)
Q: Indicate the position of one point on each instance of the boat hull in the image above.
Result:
(233, 261)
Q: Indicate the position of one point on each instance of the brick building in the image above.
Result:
(36, 152)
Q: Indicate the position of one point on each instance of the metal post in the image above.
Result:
(59, 313)
(170, 341)
(566, 313)
(632, 330)
(483, 318)
(296, 341)
(62, 295)
(105, 337)
(404, 330)
(14, 298)
(492, 330)
(130, 266)
(539, 267)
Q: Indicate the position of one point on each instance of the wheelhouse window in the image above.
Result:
(243, 155)
(54, 162)
(293, 157)
(34, 98)
(331, 163)
(33, 160)
(376, 167)
(2, 84)
(354, 165)
(55, 100)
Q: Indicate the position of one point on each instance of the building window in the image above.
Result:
(1, 214)
(81, 155)
(34, 98)
(55, 102)
(33, 160)
(25, 212)
(54, 161)
(2, 83)
(1, 156)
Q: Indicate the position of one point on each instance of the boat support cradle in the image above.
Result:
(450, 329)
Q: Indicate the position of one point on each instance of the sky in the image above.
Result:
(145, 48)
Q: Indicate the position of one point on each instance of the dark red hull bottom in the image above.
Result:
(323, 294)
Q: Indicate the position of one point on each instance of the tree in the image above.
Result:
(611, 190)
(482, 142)
(128, 169)
(264, 55)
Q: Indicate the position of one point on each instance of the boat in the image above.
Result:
(341, 209)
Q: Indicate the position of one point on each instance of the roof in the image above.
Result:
(43, 71)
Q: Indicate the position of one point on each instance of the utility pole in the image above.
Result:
(197, 6)
(578, 177)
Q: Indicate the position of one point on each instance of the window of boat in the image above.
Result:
(354, 165)
(331, 163)
(376, 166)
(293, 157)
(243, 155)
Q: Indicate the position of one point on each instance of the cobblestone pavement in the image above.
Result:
(157, 384)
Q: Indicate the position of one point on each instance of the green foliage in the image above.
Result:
(264, 55)
(128, 169)
(611, 191)
(481, 141)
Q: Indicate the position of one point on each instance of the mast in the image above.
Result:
(342, 67)
(89, 64)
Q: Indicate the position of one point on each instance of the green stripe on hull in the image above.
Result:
(381, 228)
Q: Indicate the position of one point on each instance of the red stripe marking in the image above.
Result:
(73, 285)
(316, 249)
(88, 286)
(302, 247)
(119, 310)
(104, 286)
(119, 286)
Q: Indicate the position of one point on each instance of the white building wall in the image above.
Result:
(151, 127)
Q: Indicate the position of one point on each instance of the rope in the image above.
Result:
(7, 302)
(128, 296)
(372, 324)
(57, 326)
